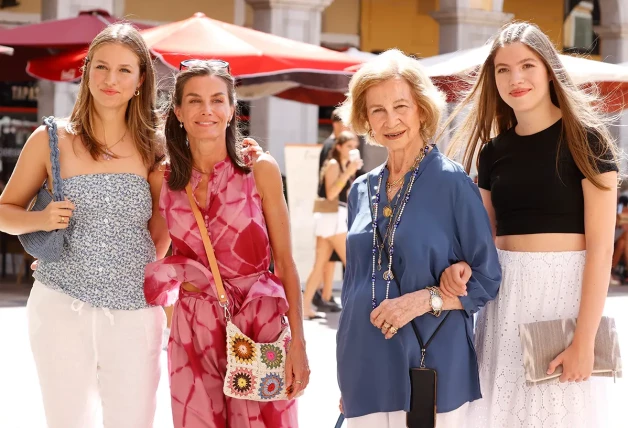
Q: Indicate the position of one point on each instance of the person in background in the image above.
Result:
(336, 177)
(619, 273)
(324, 301)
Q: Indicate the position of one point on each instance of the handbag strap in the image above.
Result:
(53, 140)
(209, 250)
(395, 279)
(340, 421)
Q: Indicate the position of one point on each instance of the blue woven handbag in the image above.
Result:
(44, 245)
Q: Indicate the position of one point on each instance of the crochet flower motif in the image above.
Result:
(242, 349)
(270, 386)
(271, 356)
(242, 382)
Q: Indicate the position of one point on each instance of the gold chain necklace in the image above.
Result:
(398, 183)
(108, 154)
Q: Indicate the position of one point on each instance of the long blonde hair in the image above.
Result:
(488, 115)
(141, 117)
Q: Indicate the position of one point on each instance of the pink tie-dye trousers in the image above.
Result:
(198, 360)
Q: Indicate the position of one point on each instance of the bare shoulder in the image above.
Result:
(265, 163)
(37, 144)
(156, 176)
(332, 165)
(267, 174)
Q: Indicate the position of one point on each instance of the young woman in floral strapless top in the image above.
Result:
(246, 217)
(96, 342)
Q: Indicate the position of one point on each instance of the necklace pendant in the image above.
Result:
(107, 155)
(388, 275)
(387, 211)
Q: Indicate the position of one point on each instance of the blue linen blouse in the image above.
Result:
(444, 222)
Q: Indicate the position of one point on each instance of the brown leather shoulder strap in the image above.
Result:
(222, 296)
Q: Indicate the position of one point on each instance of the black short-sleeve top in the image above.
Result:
(529, 193)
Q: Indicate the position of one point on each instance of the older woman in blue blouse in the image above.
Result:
(429, 215)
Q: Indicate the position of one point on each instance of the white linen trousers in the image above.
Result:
(94, 361)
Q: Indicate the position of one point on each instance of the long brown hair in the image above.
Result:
(141, 118)
(176, 137)
(488, 115)
(334, 153)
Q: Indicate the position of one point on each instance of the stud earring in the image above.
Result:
(137, 93)
(180, 124)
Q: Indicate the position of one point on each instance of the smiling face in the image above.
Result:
(205, 109)
(521, 77)
(393, 114)
(114, 75)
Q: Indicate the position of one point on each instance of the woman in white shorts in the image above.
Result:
(337, 174)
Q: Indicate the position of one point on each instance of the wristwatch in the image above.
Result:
(436, 301)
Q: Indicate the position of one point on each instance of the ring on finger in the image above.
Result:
(300, 382)
(393, 330)
(386, 326)
(61, 219)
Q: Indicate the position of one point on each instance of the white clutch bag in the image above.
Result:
(543, 341)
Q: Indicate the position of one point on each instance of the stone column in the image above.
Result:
(275, 122)
(613, 34)
(58, 98)
(466, 24)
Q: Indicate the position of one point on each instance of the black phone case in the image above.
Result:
(423, 399)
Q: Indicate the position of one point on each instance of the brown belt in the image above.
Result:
(189, 287)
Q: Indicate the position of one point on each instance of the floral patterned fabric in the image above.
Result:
(197, 350)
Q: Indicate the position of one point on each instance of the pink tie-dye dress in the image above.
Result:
(197, 347)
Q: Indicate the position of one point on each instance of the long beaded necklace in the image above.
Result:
(380, 245)
(388, 275)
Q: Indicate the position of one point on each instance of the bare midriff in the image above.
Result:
(542, 242)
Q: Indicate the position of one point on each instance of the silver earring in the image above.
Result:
(228, 124)
(180, 124)
(187, 142)
(372, 134)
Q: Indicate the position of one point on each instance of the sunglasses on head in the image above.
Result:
(185, 64)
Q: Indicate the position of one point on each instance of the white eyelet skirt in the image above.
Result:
(535, 287)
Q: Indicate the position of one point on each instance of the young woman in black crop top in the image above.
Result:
(549, 184)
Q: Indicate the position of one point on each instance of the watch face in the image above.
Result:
(437, 302)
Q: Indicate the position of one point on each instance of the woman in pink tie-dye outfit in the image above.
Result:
(246, 216)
